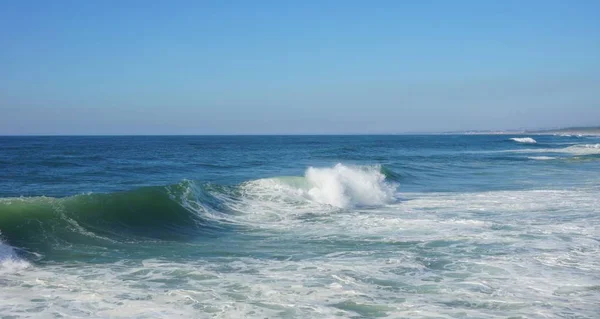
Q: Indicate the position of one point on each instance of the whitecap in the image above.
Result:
(525, 140)
(339, 186)
(541, 158)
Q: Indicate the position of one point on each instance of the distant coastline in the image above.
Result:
(592, 130)
(583, 131)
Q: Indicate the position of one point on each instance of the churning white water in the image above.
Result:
(529, 254)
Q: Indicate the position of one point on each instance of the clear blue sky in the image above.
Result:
(269, 67)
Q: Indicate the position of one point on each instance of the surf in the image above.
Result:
(574, 150)
(583, 149)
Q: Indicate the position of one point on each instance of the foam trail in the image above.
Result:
(579, 150)
(525, 140)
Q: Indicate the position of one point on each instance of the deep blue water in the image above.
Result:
(300, 226)
(64, 166)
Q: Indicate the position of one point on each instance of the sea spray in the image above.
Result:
(340, 186)
(345, 186)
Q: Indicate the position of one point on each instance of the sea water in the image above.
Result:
(430, 226)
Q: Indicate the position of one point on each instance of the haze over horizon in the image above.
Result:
(86, 68)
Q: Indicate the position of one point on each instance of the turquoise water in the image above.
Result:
(432, 226)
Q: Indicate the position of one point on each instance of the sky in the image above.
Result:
(296, 67)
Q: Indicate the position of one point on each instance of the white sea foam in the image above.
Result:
(578, 149)
(526, 140)
(6, 251)
(583, 149)
(541, 158)
(9, 261)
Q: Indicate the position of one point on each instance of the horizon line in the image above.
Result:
(461, 132)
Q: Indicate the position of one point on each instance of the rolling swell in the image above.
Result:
(46, 224)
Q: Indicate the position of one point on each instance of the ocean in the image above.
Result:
(398, 226)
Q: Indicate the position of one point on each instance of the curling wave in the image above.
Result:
(47, 224)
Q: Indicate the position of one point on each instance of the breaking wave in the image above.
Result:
(182, 211)
(576, 150)
(525, 140)
(583, 149)
(340, 186)
(344, 186)
(541, 158)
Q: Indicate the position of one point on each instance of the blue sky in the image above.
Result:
(304, 67)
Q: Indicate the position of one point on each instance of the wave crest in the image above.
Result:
(541, 158)
(344, 186)
(339, 186)
(525, 140)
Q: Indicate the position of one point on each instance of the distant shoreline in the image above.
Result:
(583, 131)
(592, 131)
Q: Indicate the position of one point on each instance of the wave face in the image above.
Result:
(525, 140)
(46, 225)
